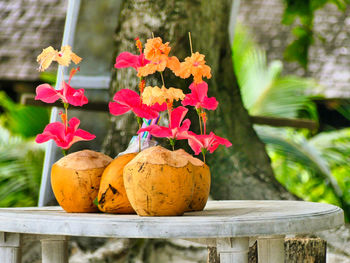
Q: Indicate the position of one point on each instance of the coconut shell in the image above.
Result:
(160, 182)
(112, 197)
(75, 180)
(201, 188)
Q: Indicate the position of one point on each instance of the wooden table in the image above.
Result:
(226, 224)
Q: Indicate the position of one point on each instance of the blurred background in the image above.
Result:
(291, 61)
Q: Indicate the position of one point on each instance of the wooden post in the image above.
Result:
(233, 250)
(54, 249)
(10, 247)
(271, 249)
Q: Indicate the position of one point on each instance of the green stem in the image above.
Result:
(172, 143)
(200, 120)
(204, 151)
(64, 152)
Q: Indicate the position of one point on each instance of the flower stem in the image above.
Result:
(204, 151)
(200, 120)
(172, 143)
(64, 152)
(189, 36)
(66, 105)
(161, 74)
(139, 121)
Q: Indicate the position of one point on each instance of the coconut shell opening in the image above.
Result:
(160, 155)
(84, 160)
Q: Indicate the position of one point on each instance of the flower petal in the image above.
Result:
(54, 130)
(126, 59)
(144, 111)
(210, 103)
(74, 123)
(158, 107)
(84, 135)
(176, 116)
(46, 93)
(195, 144)
(127, 97)
(116, 108)
(157, 131)
(73, 96)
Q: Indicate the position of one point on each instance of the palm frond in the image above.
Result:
(20, 170)
(318, 157)
(26, 121)
(264, 91)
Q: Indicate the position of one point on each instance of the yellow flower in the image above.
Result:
(153, 95)
(63, 57)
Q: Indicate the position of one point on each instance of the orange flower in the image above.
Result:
(195, 66)
(153, 95)
(157, 53)
(63, 57)
(153, 66)
(155, 48)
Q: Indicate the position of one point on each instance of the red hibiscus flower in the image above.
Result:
(126, 59)
(206, 142)
(48, 94)
(128, 100)
(175, 130)
(64, 136)
(199, 98)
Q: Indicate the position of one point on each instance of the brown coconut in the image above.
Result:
(112, 197)
(201, 187)
(160, 182)
(75, 180)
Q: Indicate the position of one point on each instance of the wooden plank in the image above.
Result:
(10, 247)
(271, 249)
(54, 249)
(233, 250)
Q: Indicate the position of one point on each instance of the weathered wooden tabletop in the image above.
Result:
(219, 219)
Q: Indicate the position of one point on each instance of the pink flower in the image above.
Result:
(126, 59)
(48, 94)
(128, 100)
(174, 131)
(64, 137)
(207, 142)
(198, 97)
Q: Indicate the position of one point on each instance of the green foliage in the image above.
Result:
(48, 77)
(314, 168)
(20, 170)
(20, 158)
(304, 10)
(25, 121)
(265, 91)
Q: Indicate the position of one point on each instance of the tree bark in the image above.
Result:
(240, 172)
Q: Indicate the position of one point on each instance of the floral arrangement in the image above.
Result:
(150, 101)
(64, 133)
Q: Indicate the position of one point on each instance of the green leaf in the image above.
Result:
(264, 90)
(26, 121)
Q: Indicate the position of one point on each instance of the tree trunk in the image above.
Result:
(240, 172)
